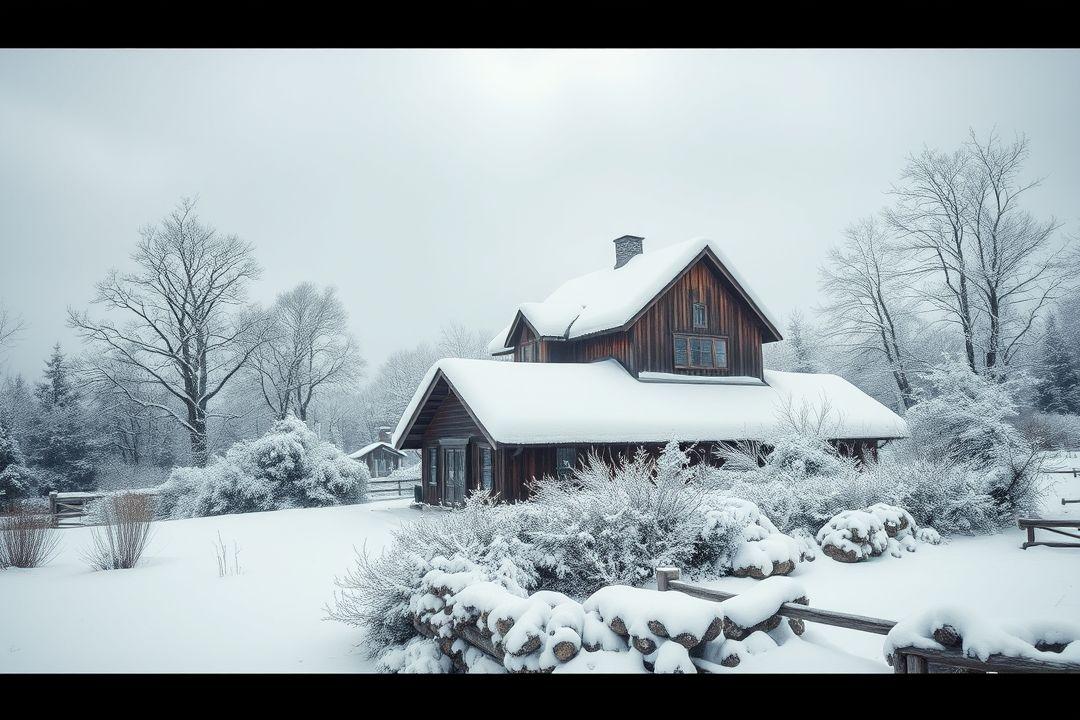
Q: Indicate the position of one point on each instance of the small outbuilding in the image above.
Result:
(381, 457)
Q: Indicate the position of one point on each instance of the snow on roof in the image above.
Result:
(548, 403)
(368, 448)
(497, 345)
(609, 298)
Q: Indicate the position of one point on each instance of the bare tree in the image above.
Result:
(458, 341)
(933, 206)
(10, 326)
(184, 328)
(864, 281)
(1015, 268)
(309, 347)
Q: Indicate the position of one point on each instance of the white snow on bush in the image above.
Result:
(853, 535)
(762, 549)
(419, 655)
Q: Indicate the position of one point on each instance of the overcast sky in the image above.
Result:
(441, 186)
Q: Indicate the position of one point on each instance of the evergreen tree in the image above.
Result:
(55, 389)
(59, 445)
(1059, 389)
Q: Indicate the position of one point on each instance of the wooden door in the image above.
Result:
(454, 462)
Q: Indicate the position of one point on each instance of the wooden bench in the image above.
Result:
(1033, 524)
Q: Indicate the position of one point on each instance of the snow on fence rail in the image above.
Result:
(908, 651)
(478, 624)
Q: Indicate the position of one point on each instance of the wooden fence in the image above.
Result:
(387, 487)
(905, 660)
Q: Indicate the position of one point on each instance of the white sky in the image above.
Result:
(431, 186)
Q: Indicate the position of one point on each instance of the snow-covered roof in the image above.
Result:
(549, 403)
(608, 299)
(366, 450)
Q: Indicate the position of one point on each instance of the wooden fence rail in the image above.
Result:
(905, 660)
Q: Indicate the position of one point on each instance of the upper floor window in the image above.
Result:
(700, 352)
(699, 315)
(565, 459)
(529, 352)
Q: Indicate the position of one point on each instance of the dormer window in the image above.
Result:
(699, 316)
(700, 352)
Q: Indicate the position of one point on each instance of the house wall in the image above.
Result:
(648, 344)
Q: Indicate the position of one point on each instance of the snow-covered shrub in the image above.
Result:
(126, 522)
(853, 535)
(418, 655)
(1051, 431)
(287, 467)
(968, 417)
(16, 480)
(375, 594)
(608, 525)
(27, 536)
(738, 539)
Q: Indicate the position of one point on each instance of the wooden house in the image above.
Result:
(664, 345)
(381, 457)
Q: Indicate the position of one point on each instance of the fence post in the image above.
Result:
(664, 575)
(52, 508)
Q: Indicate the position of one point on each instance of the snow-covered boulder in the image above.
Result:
(853, 535)
(758, 549)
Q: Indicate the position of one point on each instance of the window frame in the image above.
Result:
(432, 465)
(533, 351)
(485, 450)
(704, 324)
(711, 341)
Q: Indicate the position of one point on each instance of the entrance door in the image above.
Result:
(454, 462)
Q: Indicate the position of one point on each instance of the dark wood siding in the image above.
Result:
(450, 421)
(648, 344)
(651, 337)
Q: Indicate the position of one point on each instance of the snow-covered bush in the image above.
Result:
(1051, 431)
(16, 479)
(853, 535)
(738, 539)
(288, 467)
(375, 594)
(613, 525)
(602, 526)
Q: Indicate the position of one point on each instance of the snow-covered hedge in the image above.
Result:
(288, 467)
(601, 526)
(476, 621)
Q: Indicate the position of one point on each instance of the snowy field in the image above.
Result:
(175, 614)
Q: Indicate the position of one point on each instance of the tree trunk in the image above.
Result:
(197, 434)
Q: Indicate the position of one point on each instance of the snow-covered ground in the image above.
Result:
(175, 614)
(989, 575)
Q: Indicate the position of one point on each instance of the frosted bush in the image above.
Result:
(602, 526)
(853, 535)
(287, 467)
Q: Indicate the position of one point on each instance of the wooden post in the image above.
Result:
(916, 665)
(899, 663)
(52, 508)
(1031, 537)
(664, 575)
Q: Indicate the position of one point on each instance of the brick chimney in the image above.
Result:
(626, 247)
(384, 434)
